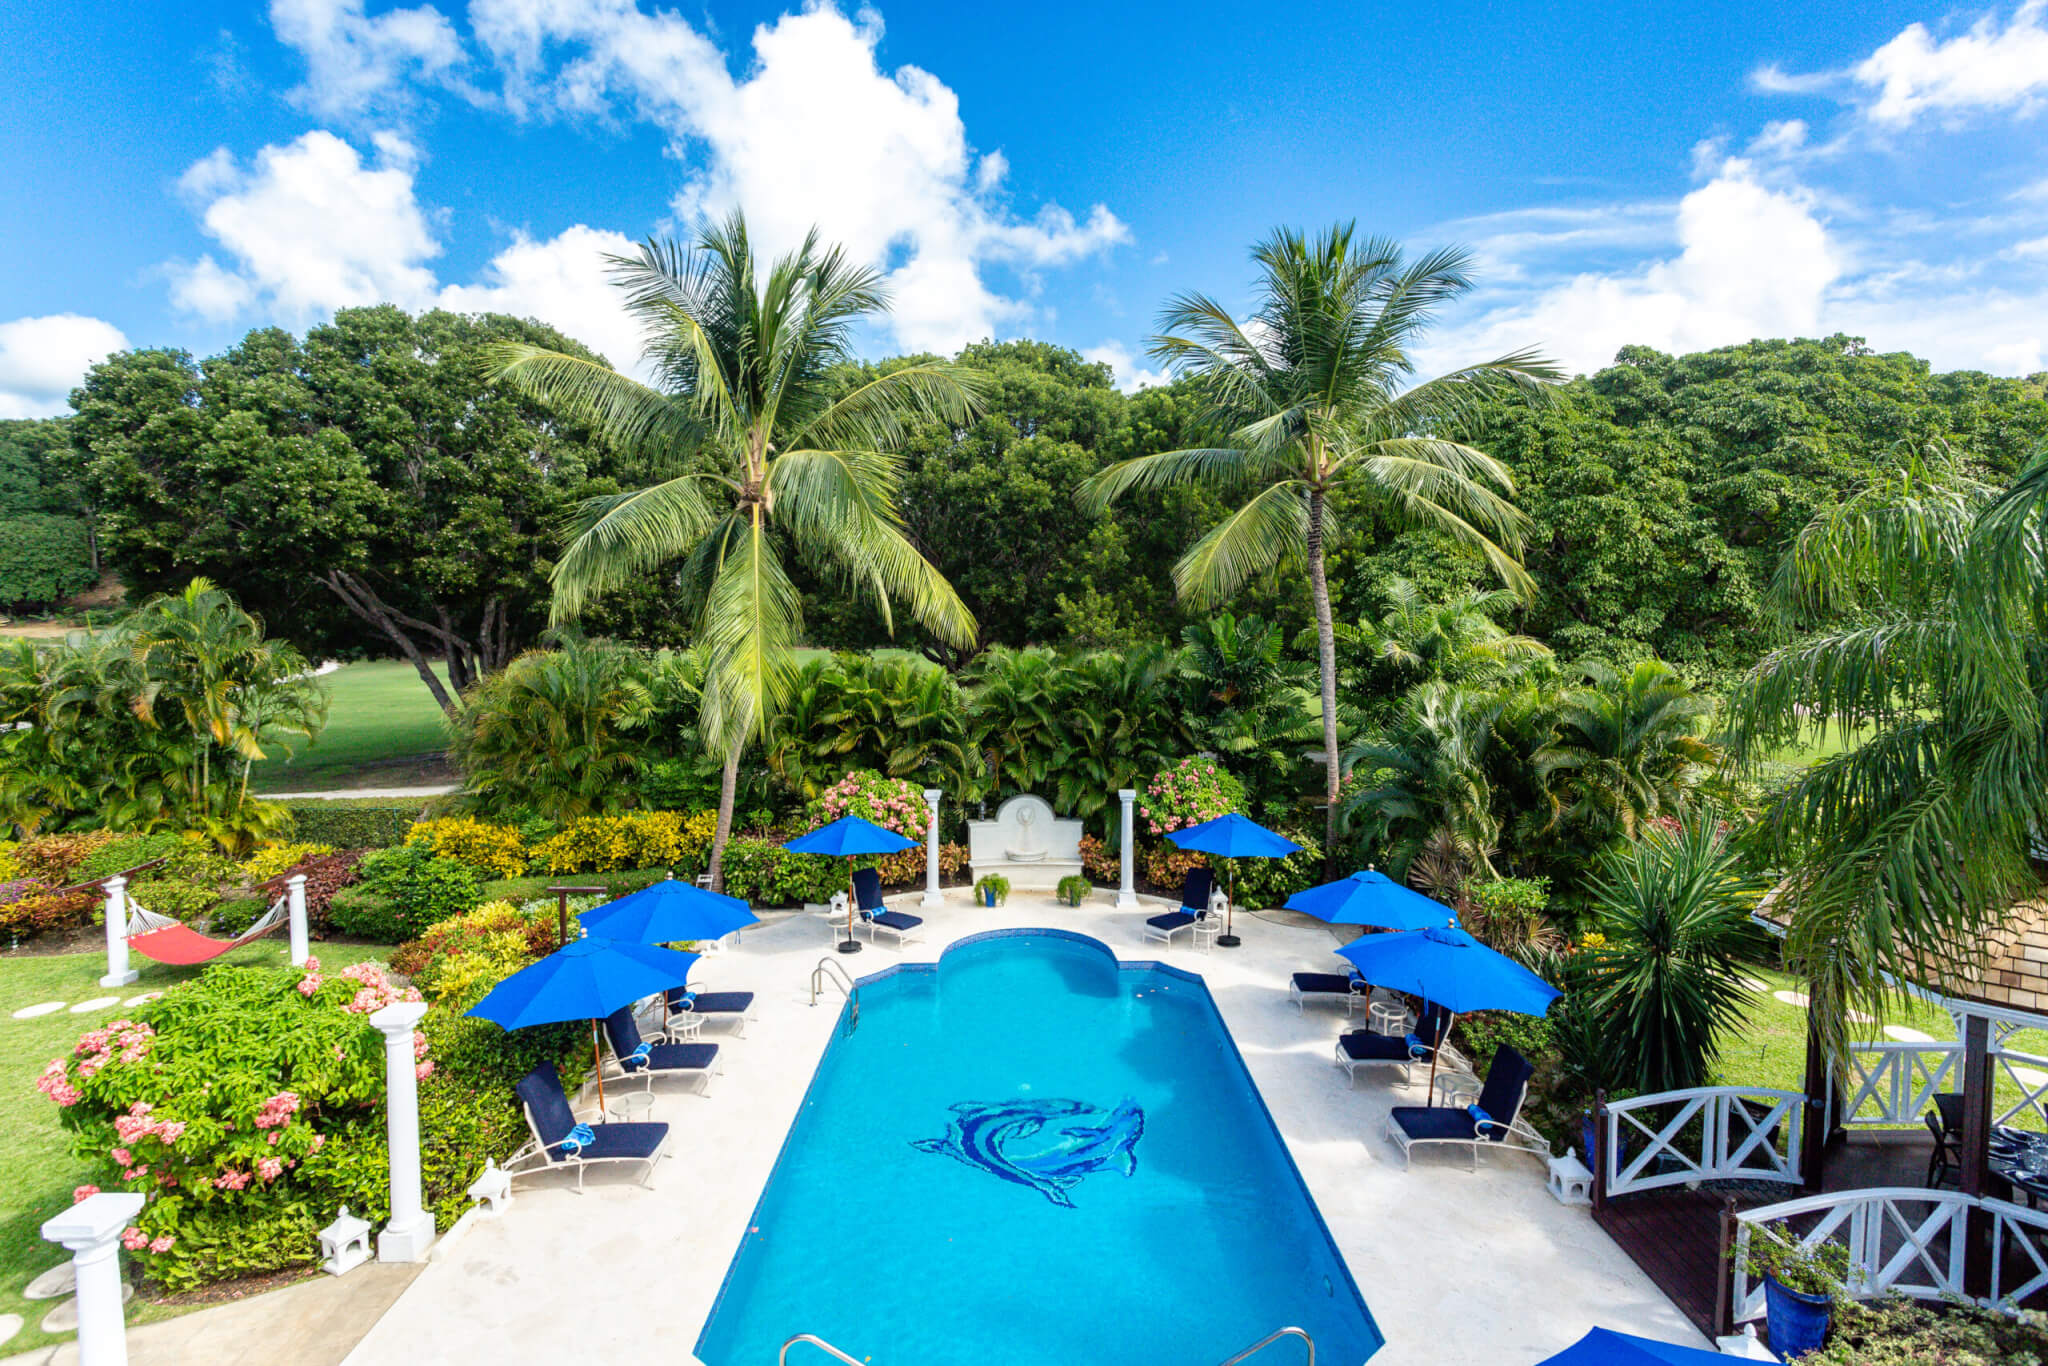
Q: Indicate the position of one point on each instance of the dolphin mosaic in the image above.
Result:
(1047, 1145)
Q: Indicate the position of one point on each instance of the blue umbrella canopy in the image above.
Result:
(586, 979)
(1451, 968)
(850, 835)
(1371, 898)
(1605, 1347)
(668, 911)
(1233, 836)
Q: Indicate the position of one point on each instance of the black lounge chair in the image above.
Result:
(689, 1009)
(632, 1058)
(1193, 915)
(875, 913)
(556, 1142)
(1348, 988)
(1500, 1101)
(1363, 1048)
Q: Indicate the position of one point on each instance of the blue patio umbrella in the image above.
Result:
(850, 836)
(1605, 1347)
(1372, 898)
(585, 979)
(1448, 966)
(669, 911)
(1233, 836)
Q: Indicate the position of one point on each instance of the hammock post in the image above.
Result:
(410, 1232)
(119, 974)
(295, 893)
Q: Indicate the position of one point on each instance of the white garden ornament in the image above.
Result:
(91, 1230)
(344, 1244)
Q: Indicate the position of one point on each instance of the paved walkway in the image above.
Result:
(1457, 1266)
(396, 793)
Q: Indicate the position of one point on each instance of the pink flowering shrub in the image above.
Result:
(1192, 791)
(892, 803)
(209, 1101)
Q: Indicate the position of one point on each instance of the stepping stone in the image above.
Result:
(39, 1008)
(10, 1324)
(1792, 998)
(1756, 986)
(2028, 1077)
(145, 996)
(96, 1003)
(1858, 1017)
(1903, 1034)
(64, 1318)
(52, 1283)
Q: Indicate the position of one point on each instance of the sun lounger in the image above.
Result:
(689, 1008)
(1193, 917)
(1350, 990)
(876, 915)
(1363, 1048)
(630, 1057)
(1494, 1121)
(559, 1141)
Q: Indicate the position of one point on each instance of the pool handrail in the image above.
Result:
(782, 1357)
(1267, 1341)
(829, 970)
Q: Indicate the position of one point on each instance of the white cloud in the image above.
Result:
(42, 359)
(561, 282)
(311, 227)
(355, 62)
(1753, 261)
(816, 133)
(1988, 67)
(1130, 376)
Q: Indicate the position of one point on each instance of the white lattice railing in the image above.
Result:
(1894, 1084)
(2007, 1065)
(1714, 1133)
(1904, 1240)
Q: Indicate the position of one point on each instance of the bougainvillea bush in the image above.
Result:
(1188, 793)
(212, 1100)
(893, 803)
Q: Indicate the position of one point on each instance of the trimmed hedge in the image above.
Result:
(354, 822)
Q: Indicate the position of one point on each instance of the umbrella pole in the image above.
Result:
(849, 944)
(1434, 1054)
(597, 1062)
(1228, 939)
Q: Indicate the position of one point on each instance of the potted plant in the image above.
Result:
(992, 890)
(1800, 1285)
(1074, 889)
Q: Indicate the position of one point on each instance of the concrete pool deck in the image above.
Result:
(1455, 1265)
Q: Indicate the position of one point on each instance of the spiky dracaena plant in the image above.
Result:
(1924, 601)
(768, 454)
(1313, 395)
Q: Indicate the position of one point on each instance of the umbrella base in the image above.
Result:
(1228, 941)
(851, 946)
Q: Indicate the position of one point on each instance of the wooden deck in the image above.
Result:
(1674, 1235)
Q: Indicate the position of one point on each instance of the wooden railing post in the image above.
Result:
(562, 895)
(1813, 1132)
(1724, 1271)
(1595, 1158)
(1974, 1178)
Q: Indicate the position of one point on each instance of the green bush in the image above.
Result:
(1265, 882)
(1902, 1332)
(47, 558)
(763, 872)
(353, 822)
(418, 890)
(362, 914)
(463, 1124)
(236, 912)
(129, 851)
(175, 898)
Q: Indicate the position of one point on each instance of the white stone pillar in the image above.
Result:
(1127, 891)
(411, 1230)
(91, 1230)
(118, 972)
(295, 903)
(932, 895)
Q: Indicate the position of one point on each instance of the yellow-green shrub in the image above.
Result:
(497, 849)
(265, 864)
(635, 839)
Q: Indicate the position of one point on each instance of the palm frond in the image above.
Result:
(623, 535)
(1269, 529)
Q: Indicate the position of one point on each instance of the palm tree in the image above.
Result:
(1312, 396)
(771, 453)
(1425, 784)
(1923, 598)
(1627, 749)
(1459, 640)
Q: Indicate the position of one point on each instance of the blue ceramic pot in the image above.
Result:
(1798, 1321)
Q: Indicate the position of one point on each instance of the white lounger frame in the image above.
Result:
(1519, 1136)
(533, 1157)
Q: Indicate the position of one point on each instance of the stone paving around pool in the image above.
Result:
(1457, 1266)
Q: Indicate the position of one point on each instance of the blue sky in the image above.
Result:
(1682, 175)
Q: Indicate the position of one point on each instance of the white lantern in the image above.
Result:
(344, 1244)
(493, 1189)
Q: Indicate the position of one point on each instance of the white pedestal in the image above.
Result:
(1127, 887)
(411, 1230)
(92, 1229)
(932, 895)
(118, 974)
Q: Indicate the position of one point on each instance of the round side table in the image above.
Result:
(629, 1106)
(1457, 1089)
(1390, 1017)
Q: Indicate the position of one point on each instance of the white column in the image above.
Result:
(411, 1230)
(1127, 891)
(92, 1230)
(295, 901)
(932, 896)
(118, 973)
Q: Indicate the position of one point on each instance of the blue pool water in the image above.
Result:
(1032, 1155)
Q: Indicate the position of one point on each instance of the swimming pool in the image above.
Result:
(1030, 1154)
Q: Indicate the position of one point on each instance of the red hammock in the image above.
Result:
(165, 940)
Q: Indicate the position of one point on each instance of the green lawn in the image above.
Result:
(383, 729)
(37, 1170)
(1770, 1050)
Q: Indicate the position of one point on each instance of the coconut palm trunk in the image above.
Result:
(728, 788)
(1326, 665)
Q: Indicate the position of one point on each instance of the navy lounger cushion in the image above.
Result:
(715, 1002)
(673, 1056)
(897, 920)
(1322, 983)
(1172, 920)
(623, 1034)
(1364, 1046)
(540, 1091)
(1419, 1121)
(1195, 889)
(1507, 1077)
(625, 1140)
(867, 889)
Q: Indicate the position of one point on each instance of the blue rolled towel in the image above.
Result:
(1480, 1118)
(1416, 1046)
(579, 1138)
(638, 1057)
(689, 999)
